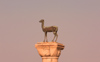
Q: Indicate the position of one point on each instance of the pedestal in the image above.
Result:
(49, 51)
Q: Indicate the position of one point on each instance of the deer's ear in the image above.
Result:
(42, 19)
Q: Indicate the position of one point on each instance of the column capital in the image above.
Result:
(49, 50)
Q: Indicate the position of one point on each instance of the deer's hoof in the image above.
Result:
(46, 41)
(52, 41)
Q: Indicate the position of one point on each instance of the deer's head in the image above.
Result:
(41, 21)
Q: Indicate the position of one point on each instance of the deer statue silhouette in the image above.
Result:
(53, 29)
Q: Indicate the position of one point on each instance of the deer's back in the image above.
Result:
(50, 29)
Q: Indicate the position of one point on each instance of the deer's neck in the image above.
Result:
(42, 25)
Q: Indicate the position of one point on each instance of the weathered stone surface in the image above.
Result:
(49, 51)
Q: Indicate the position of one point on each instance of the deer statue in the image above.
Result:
(53, 29)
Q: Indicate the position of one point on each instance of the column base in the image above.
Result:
(49, 59)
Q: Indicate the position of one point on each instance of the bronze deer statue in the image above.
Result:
(53, 29)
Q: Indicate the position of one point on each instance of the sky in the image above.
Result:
(78, 24)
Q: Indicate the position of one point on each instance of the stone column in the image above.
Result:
(49, 51)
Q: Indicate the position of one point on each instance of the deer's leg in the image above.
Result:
(46, 36)
(54, 36)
